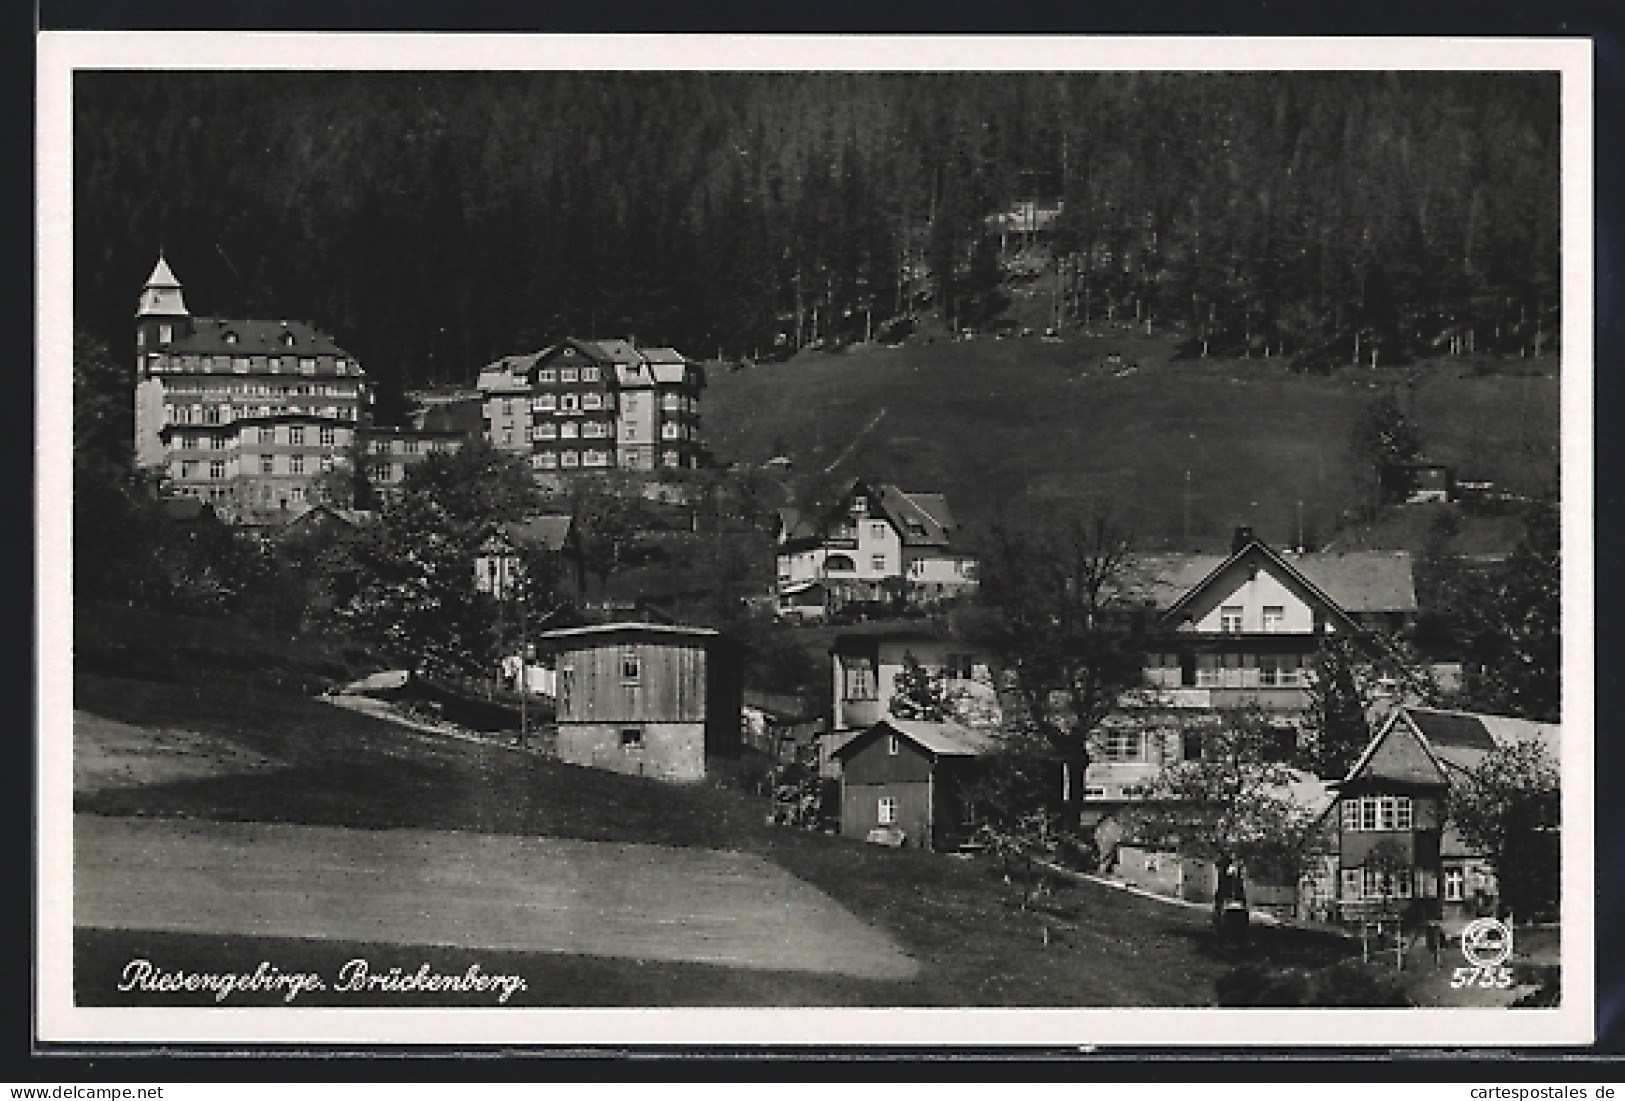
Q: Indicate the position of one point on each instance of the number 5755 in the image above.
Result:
(1485, 978)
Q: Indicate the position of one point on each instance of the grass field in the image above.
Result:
(300, 761)
(1022, 423)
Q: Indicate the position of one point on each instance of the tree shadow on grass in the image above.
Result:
(1268, 945)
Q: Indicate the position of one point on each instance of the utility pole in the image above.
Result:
(1187, 508)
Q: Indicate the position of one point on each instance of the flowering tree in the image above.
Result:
(1510, 809)
(1234, 801)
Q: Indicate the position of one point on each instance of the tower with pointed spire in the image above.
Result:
(246, 414)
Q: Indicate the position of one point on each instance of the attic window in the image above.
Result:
(915, 527)
(231, 338)
(892, 745)
(287, 340)
(630, 666)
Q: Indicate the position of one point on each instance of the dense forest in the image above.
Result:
(434, 221)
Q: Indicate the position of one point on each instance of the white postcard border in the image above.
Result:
(61, 53)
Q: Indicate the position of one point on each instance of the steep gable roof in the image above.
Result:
(1399, 751)
(548, 532)
(1279, 566)
(946, 739)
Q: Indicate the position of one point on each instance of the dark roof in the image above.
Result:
(922, 519)
(1452, 728)
(255, 337)
(186, 509)
(547, 532)
(1354, 581)
(947, 739)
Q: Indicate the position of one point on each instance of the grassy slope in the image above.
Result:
(956, 917)
(996, 423)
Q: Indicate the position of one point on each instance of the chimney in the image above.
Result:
(1243, 536)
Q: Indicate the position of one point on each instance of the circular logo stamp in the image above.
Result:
(1486, 942)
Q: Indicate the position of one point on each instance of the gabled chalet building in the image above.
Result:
(1386, 847)
(865, 662)
(879, 544)
(1225, 632)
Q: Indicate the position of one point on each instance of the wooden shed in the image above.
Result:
(647, 699)
(913, 777)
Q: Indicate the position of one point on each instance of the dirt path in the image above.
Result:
(496, 892)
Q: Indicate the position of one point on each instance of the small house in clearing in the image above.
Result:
(647, 699)
(912, 777)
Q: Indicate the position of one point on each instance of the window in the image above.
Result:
(327, 464)
(570, 458)
(589, 374)
(1207, 670)
(595, 458)
(567, 374)
(1378, 812)
(1230, 620)
(1123, 745)
(669, 403)
(861, 682)
(592, 401)
(630, 666)
(296, 464)
(630, 403)
(547, 431)
(267, 464)
(507, 407)
(1279, 670)
(546, 403)
(1274, 617)
(328, 437)
(1453, 885)
(546, 460)
(217, 468)
(166, 333)
(380, 472)
(1351, 884)
(878, 562)
(297, 493)
(507, 435)
(631, 737)
(886, 812)
(545, 375)
(1190, 745)
(840, 563)
(892, 745)
(630, 432)
(569, 403)
(296, 436)
(668, 431)
(188, 443)
(189, 470)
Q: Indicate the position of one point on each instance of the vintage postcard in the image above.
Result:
(838, 541)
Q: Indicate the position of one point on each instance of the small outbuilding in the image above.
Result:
(912, 777)
(649, 699)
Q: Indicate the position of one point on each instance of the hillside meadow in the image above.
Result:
(1020, 424)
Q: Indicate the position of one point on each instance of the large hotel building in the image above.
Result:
(248, 414)
(585, 405)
